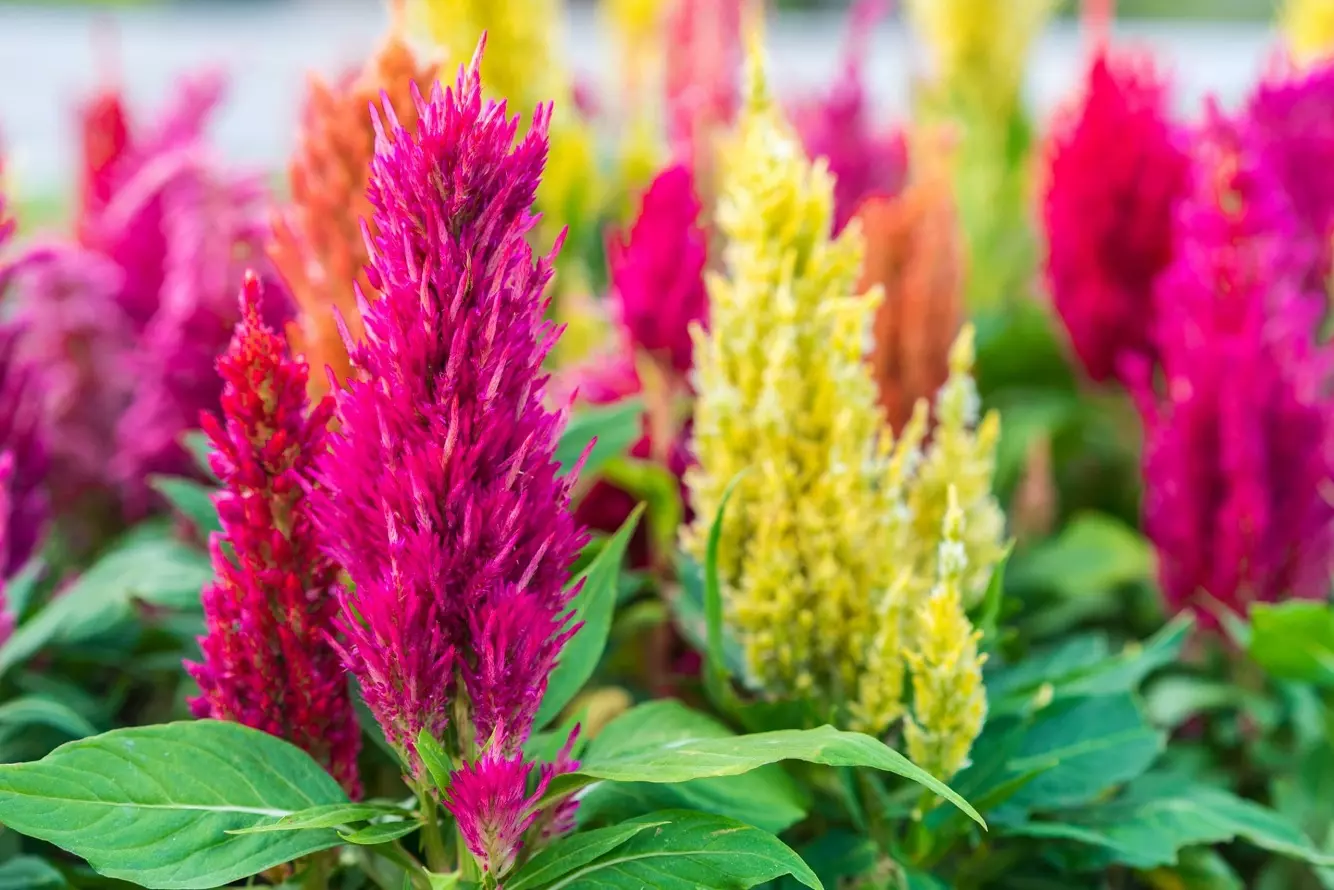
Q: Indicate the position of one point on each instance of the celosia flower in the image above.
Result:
(488, 799)
(267, 659)
(702, 77)
(1308, 27)
(784, 393)
(1117, 168)
(657, 274)
(949, 703)
(440, 493)
(7, 618)
(105, 134)
(1237, 456)
(317, 242)
(914, 252)
(836, 127)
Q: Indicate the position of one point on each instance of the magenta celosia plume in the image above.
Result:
(490, 801)
(268, 659)
(126, 319)
(1237, 456)
(440, 495)
(1117, 168)
(838, 128)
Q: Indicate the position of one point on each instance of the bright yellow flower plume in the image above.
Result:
(1308, 26)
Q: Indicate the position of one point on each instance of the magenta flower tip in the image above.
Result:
(489, 800)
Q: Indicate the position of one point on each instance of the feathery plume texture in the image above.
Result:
(440, 495)
(914, 252)
(837, 126)
(1117, 168)
(489, 801)
(1237, 456)
(1308, 28)
(702, 78)
(1288, 120)
(127, 324)
(949, 703)
(267, 657)
(317, 243)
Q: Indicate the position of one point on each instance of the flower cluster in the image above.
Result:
(126, 322)
(268, 661)
(440, 495)
(820, 546)
(317, 242)
(1116, 170)
(914, 252)
(1237, 438)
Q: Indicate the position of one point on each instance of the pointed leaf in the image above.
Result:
(573, 852)
(611, 429)
(380, 833)
(153, 804)
(330, 816)
(1294, 640)
(190, 499)
(435, 760)
(715, 671)
(39, 710)
(30, 873)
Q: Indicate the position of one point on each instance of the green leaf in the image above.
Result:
(435, 760)
(1094, 553)
(835, 856)
(765, 797)
(196, 442)
(988, 615)
(687, 605)
(328, 816)
(148, 566)
(1082, 748)
(153, 804)
(593, 605)
(573, 852)
(190, 499)
(715, 666)
(37, 710)
(658, 488)
(1160, 814)
(649, 760)
(612, 429)
(1294, 640)
(30, 873)
(686, 850)
(380, 832)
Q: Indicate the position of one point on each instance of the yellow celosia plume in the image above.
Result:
(1308, 27)
(820, 552)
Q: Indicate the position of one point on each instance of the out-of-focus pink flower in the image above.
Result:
(440, 495)
(1238, 455)
(268, 661)
(702, 75)
(837, 126)
(657, 274)
(1117, 169)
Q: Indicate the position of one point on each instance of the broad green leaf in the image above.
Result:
(836, 856)
(1159, 815)
(684, 760)
(611, 428)
(190, 499)
(328, 816)
(765, 797)
(1092, 554)
(686, 850)
(1294, 640)
(30, 873)
(149, 566)
(1080, 749)
(39, 710)
(575, 851)
(593, 605)
(154, 804)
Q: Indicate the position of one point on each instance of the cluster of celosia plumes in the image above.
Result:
(125, 320)
(440, 495)
(1192, 267)
(317, 242)
(268, 661)
(824, 555)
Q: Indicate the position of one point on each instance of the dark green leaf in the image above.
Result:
(593, 605)
(38, 710)
(190, 499)
(836, 856)
(685, 850)
(611, 428)
(765, 797)
(30, 873)
(154, 804)
(575, 851)
(1294, 640)
(699, 758)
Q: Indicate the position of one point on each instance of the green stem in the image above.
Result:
(437, 859)
(317, 873)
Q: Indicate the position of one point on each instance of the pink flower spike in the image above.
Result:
(488, 799)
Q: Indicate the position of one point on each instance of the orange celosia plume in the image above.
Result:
(914, 251)
(317, 242)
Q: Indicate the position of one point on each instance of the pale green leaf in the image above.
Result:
(611, 428)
